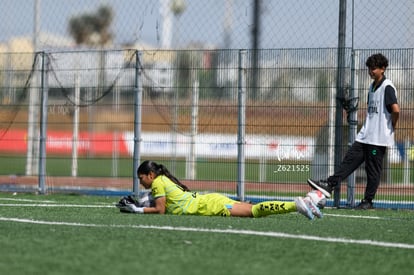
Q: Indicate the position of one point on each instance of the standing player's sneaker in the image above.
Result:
(303, 208)
(365, 205)
(324, 186)
(313, 207)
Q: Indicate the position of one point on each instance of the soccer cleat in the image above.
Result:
(303, 208)
(324, 186)
(364, 205)
(313, 207)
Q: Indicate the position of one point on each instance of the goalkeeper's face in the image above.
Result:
(146, 180)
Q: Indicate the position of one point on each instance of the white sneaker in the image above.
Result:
(313, 207)
(303, 208)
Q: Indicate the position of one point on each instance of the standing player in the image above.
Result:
(375, 135)
(173, 197)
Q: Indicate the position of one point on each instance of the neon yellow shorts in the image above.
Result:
(215, 204)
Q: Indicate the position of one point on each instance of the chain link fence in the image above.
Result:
(82, 107)
(227, 24)
(84, 96)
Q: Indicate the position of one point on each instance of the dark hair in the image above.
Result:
(377, 61)
(158, 169)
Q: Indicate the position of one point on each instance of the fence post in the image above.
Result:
(137, 121)
(75, 135)
(407, 168)
(32, 152)
(43, 123)
(340, 83)
(262, 168)
(241, 125)
(192, 159)
(353, 123)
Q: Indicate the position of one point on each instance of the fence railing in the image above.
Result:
(84, 120)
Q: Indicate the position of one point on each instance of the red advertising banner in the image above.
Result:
(15, 141)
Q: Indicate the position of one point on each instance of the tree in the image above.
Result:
(92, 29)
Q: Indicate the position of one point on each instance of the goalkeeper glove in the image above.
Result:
(127, 205)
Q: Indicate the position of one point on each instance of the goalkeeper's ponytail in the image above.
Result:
(158, 169)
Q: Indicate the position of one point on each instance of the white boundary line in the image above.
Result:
(56, 205)
(25, 200)
(356, 216)
(225, 231)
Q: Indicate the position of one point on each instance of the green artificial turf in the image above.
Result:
(73, 234)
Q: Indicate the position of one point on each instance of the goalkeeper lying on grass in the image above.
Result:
(173, 197)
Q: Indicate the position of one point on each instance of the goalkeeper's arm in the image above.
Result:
(159, 207)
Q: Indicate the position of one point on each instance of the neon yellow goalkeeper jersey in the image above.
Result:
(180, 202)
